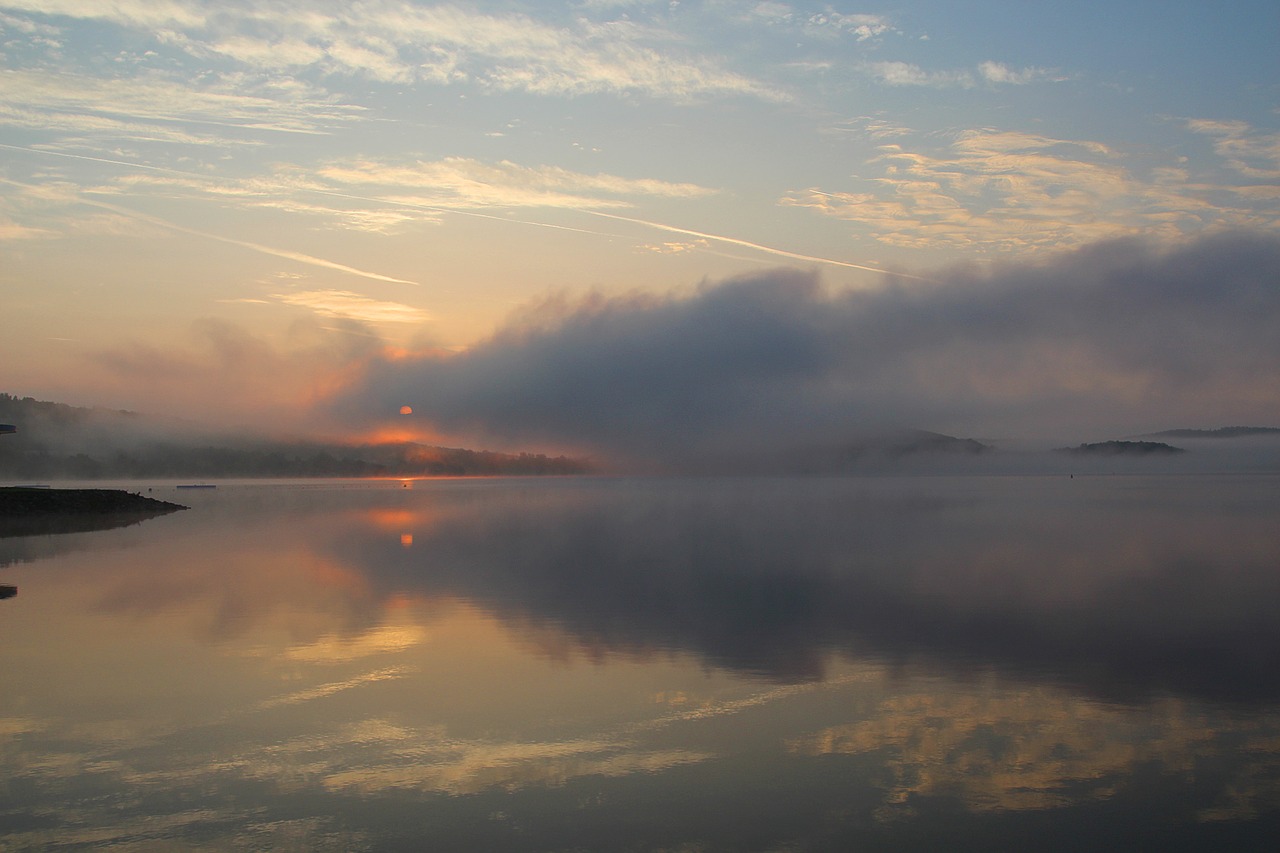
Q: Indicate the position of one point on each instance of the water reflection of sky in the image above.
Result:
(721, 664)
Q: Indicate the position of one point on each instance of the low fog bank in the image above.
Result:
(758, 372)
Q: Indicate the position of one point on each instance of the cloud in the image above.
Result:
(1003, 191)
(895, 73)
(861, 27)
(69, 194)
(382, 196)
(150, 14)
(150, 107)
(344, 303)
(998, 72)
(227, 376)
(1252, 153)
(10, 230)
(1117, 337)
(393, 41)
(466, 182)
(829, 23)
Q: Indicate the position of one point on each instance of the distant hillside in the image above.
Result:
(896, 450)
(28, 413)
(1123, 448)
(917, 441)
(1221, 432)
(57, 441)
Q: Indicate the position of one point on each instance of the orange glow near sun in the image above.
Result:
(394, 435)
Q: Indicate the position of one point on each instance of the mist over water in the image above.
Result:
(899, 662)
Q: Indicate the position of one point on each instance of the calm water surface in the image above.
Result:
(589, 664)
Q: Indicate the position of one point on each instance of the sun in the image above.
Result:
(406, 410)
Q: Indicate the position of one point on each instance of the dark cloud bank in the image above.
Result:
(1112, 340)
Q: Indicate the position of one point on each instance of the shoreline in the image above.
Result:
(22, 500)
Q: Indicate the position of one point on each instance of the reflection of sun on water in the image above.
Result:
(391, 519)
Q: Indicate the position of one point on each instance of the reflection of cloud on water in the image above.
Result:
(83, 829)
(78, 829)
(1011, 750)
(370, 679)
(1123, 587)
(333, 648)
(707, 710)
(377, 756)
(14, 726)
(331, 688)
(466, 767)
(991, 749)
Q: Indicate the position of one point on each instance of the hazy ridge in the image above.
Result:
(59, 441)
(55, 440)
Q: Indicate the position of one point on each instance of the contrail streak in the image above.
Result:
(316, 191)
(288, 254)
(257, 247)
(101, 160)
(734, 241)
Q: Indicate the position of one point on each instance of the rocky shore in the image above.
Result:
(17, 500)
(30, 512)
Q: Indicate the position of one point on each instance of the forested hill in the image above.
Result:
(1221, 432)
(57, 441)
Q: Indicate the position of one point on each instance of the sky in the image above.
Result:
(613, 227)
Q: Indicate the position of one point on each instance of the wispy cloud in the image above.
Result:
(828, 23)
(394, 41)
(898, 73)
(466, 182)
(1002, 191)
(72, 195)
(382, 196)
(862, 27)
(1251, 152)
(156, 14)
(13, 231)
(998, 72)
(344, 303)
(456, 186)
(287, 254)
(156, 108)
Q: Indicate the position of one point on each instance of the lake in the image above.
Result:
(878, 663)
